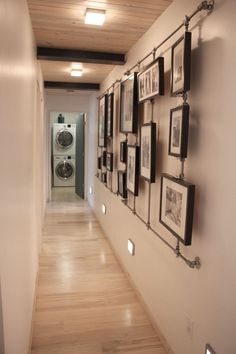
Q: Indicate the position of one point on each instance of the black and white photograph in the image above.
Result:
(102, 121)
(109, 161)
(122, 184)
(104, 177)
(104, 158)
(110, 101)
(133, 169)
(176, 207)
(123, 151)
(178, 132)
(181, 65)
(148, 151)
(129, 105)
(151, 80)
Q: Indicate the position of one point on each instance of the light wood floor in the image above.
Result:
(85, 303)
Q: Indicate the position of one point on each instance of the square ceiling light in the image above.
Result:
(76, 72)
(95, 17)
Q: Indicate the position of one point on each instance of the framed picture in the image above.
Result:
(109, 161)
(178, 132)
(104, 158)
(181, 65)
(102, 121)
(148, 151)
(104, 177)
(110, 101)
(129, 105)
(151, 80)
(176, 207)
(123, 151)
(99, 163)
(132, 182)
(122, 184)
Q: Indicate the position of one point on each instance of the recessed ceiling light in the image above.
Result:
(76, 72)
(131, 247)
(95, 17)
(104, 209)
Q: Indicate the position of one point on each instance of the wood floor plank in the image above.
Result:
(85, 303)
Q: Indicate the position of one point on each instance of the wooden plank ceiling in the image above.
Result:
(60, 24)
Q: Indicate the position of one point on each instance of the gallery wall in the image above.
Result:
(20, 182)
(190, 307)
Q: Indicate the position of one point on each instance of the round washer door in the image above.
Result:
(64, 170)
(64, 138)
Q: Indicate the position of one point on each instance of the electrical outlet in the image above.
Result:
(189, 327)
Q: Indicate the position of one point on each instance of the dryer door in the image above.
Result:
(64, 170)
(64, 139)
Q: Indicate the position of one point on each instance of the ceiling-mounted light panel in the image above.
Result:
(76, 72)
(95, 17)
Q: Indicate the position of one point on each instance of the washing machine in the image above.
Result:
(64, 171)
(64, 139)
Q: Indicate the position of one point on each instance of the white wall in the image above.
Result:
(172, 291)
(19, 182)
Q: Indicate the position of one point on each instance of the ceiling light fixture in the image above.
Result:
(76, 72)
(95, 17)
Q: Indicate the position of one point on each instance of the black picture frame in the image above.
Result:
(109, 162)
(102, 121)
(129, 104)
(122, 191)
(148, 152)
(123, 151)
(99, 163)
(110, 105)
(104, 177)
(104, 158)
(181, 65)
(176, 207)
(151, 80)
(178, 131)
(132, 168)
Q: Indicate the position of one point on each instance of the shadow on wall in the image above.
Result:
(2, 351)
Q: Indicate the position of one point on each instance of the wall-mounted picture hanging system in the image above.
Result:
(176, 207)
(104, 158)
(99, 163)
(123, 151)
(151, 80)
(129, 104)
(122, 191)
(104, 177)
(102, 121)
(110, 103)
(178, 132)
(109, 161)
(148, 151)
(133, 169)
(181, 65)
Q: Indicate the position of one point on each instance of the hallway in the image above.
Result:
(85, 303)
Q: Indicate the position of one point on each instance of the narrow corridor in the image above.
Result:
(85, 303)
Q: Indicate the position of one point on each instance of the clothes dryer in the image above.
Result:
(64, 171)
(64, 139)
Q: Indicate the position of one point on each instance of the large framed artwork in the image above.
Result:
(178, 132)
(102, 121)
(110, 103)
(129, 105)
(123, 151)
(132, 182)
(176, 207)
(151, 80)
(109, 161)
(122, 184)
(148, 151)
(181, 65)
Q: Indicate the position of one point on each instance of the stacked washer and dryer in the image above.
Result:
(64, 154)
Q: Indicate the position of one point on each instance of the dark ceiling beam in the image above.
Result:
(71, 85)
(82, 56)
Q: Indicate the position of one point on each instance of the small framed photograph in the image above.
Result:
(176, 207)
(151, 80)
(122, 184)
(99, 163)
(123, 151)
(132, 182)
(110, 103)
(104, 177)
(102, 121)
(148, 151)
(110, 161)
(178, 132)
(129, 104)
(181, 65)
(104, 158)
